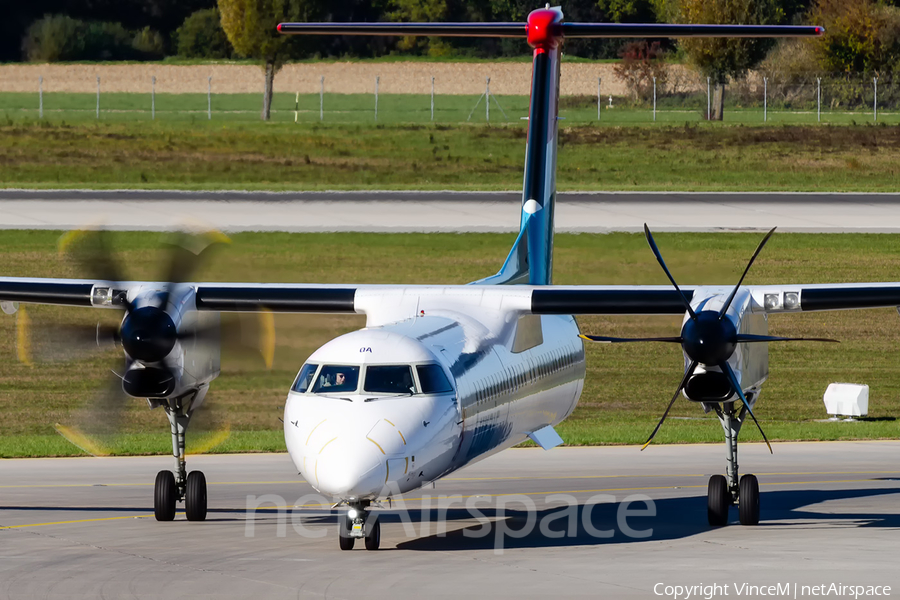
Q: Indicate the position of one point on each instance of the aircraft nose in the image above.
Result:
(351, 469)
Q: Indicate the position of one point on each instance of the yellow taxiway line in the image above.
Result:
(76, 521)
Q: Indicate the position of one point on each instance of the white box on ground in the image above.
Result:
(847, 399)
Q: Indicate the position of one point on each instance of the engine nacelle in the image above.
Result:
(749, 361)
(709, 386)
(190, 339)
(149, 382)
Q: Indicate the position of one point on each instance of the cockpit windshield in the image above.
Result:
(304, 378)
(433, 380)
(337, 378)
(389, 379)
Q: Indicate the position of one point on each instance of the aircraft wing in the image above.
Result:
(610, 300)
(552, 299)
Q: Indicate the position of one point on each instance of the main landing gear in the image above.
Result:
(182, 486)
(727, 490)
(358, 522)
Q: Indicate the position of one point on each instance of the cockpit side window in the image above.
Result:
(337, 378)
(301, 384)
(433, 380)
(389, 379)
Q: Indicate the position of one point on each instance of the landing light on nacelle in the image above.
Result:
(791, 300)
(102, 296)
(774, 302)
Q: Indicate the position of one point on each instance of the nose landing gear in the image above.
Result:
(358, 522)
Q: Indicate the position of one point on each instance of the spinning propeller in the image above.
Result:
(147, 332)
(708, 337)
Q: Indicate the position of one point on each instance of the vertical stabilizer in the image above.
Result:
(531, 258)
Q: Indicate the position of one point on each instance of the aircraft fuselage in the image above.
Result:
(379, 436)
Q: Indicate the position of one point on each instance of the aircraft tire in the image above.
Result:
(195, 496)
(718, 500)
(373, 536)
(164, 496)
(346, 542)
(749, 500)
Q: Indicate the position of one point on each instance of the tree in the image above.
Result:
(201, 36)
(251, 28)
(160, 15)
(60, 37)
(643, 65)
(724, 58)
(422, 11)
(629, 11)
(860, 36)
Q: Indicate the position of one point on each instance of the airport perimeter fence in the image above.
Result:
(673, 96)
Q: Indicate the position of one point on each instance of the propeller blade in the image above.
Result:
(94, 425)
(23, 337)
(267, 337)
(616, 340)
(55, 342)
(188, 254)
(662, 263)
(726, 368)
(741, 280)
(684, 380)
(239, 335)
(90, 249)
(211, 426)
(746, 337)
(83, 441)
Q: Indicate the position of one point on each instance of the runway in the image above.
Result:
(396, 212)
(83, 528)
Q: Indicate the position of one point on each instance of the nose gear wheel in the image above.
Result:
(363, 524)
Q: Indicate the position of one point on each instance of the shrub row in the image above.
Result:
(61, 38)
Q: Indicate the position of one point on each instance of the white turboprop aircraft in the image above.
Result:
(443, 376)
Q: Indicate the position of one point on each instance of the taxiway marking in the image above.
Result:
(76, 521)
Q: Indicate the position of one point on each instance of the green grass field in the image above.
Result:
(627, 385)
(309, 156)
(404, 109)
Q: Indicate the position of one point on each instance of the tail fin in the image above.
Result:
(531, 258)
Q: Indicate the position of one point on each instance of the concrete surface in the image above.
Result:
(83, 528)
(375, 211)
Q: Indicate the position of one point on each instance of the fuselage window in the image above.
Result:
(337, 378)
(433, 380)
(301, 384)
(389, 379)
